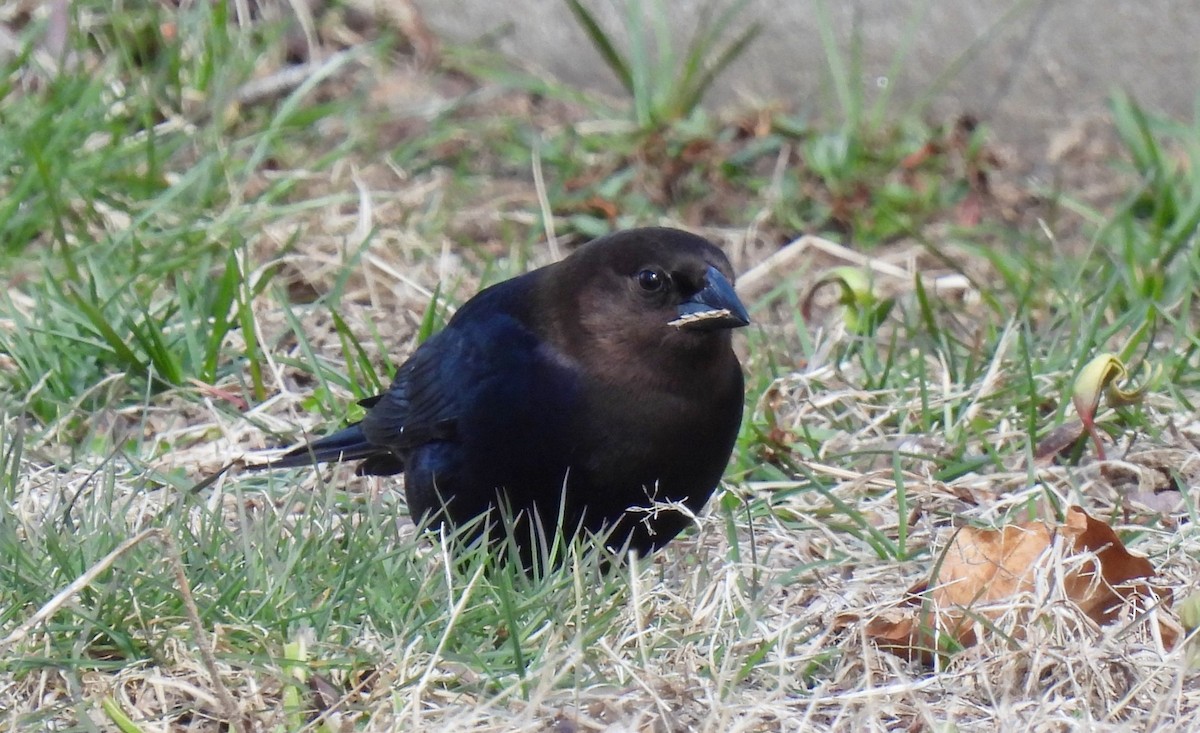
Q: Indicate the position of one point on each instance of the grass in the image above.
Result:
(194, 278)
(663, 89)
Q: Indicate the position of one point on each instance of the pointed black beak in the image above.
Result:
(713, 307)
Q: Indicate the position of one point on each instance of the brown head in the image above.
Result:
(646, 303)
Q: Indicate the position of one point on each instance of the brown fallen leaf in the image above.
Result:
(896, 632)
(983, 572)
(1102, 601)
(1057, 441)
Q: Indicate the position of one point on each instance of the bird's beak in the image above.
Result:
(714, 307)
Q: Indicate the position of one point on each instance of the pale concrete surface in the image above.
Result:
(1027, 68)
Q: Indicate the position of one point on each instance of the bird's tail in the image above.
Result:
(348, 444)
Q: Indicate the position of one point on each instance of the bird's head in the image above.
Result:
(652, 294)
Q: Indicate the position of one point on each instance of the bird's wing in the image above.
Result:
(420, 406)
(485, 344)
(423, 402)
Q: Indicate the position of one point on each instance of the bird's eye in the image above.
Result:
(652, 280)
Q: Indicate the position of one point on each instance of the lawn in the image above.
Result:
(220, 229)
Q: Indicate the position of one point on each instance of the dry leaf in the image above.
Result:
(1102, 601)
(984, 572)
(900, 633)
(1057, 441)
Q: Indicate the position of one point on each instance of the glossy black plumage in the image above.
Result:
(607, 379)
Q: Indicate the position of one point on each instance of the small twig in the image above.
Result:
(456, 610)
(243, 12)
(365, 223)
(308, 25)
(289, 78)
(758, 280)
(539, 185)
(202, 642)
(770, 198)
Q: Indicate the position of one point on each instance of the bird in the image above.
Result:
(600, 394)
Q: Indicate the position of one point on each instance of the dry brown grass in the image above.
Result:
(766, 634)
(703, 643)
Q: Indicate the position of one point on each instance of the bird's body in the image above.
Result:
(585, 394)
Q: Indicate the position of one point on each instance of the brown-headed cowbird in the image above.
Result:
(589, 394)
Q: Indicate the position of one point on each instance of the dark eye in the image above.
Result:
(652, 280)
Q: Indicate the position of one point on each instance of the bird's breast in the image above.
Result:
(679, 440)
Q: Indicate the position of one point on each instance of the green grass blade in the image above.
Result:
(115, 343)
(250, 337)
(221, 314)
(603, 44)
(429, 319)
(697, 90)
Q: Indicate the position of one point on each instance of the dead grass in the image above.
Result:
(703, 642)
(755, 628)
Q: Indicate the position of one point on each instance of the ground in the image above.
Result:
(205, 265)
